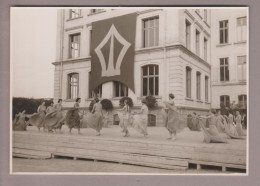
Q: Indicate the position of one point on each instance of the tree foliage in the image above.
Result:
(107, 104)
(29, 104)
(151, 102)
(122, 100)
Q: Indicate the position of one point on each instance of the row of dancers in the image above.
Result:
(51, 118)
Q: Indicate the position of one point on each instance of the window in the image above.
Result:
(150, 80)
(188, 82)
(197, 42)
(187, 30)
(97, 92)
(120, 90)
(151, 32)
(93, 11)
(198, 85)
(74, 46)
(73, 86)
(224, 100)
(74, 13)
(223, 32)
(242, 101)
(205, 49)
(206, 88)
(205, 15)
(241, 29)
(241, 68)
(224, 70)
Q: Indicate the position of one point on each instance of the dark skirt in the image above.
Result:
(72, 118)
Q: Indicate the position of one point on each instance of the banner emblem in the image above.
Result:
(110, 70)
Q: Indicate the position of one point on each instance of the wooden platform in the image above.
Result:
(154, 151)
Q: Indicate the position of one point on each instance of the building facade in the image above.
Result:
(173, 53)
(229, 57)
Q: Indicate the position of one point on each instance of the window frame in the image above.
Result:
(225, 68)
(188, 34)
(224, 32)
(206, 88)
(145, 31)
(244, 100)
(122, 87)
(148, 76)
(188, 82)
(241, 27)
(69, 88)
(226, 101)
(243, 66)
(198, 85)
(71, 53)
(205, 49)
(77, 15)
(197, 42)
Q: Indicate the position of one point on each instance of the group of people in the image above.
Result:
(220, 127)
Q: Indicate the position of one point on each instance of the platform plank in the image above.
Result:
(154, 151)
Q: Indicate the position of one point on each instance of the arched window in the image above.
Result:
(188, 82)
(73, 86)
(225, 100)
(150, 80)
(116, 119)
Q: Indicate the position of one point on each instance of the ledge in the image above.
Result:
(146, 49)
(101, 11)
(143, 97)
(189, 99)
(240, 42)
(72, 60)
(224, 44)
(187, 51)
(198, 100)
(71, 19)
(147, 11)
(229, 83)
(74, 28)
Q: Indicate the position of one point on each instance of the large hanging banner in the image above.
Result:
(112, 51)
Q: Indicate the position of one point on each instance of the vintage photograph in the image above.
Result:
(129, 90)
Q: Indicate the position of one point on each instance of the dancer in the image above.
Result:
(94, 119)
(172, 121)
(140, 119)
(73, 118)
(193, 122)
(238, 124)
(220, 122)
(54, 119)
(211, 135)
(37, 119)
(50, 108)
(231, 130)
(19, 122)
(124, 118)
